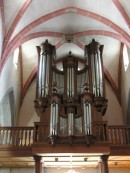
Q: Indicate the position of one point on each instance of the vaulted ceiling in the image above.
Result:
(69, 25)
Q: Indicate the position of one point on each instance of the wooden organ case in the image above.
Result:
(70, 95)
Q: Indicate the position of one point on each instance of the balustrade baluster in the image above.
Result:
(16, 137)
(21, 137)
(4, 132)
(128, 130)
(43, 133)
(123, 130)
(116, 137)
(29, 136)
(2, 137)
(5, 137)
(126, 136)
(112, 135)
(25, 137)
(8, 136)
(119, 136)
(104, 135)
(13, 137)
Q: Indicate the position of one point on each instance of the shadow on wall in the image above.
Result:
(7, 106)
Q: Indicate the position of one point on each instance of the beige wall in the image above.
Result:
(114, 111)
(27, 115)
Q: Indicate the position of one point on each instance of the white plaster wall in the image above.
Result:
(114, 111)
(27, 115)
(10, 80)
(1, 37)
(111, 56)
(30, 57)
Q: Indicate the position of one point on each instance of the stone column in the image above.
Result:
(104, 164)
(38, 164)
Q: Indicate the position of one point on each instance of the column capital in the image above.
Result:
(104, 163)
(104, 158)
(37, 158)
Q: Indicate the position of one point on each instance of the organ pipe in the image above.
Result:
(70, 123)
(53, 119)
(95, 59)
(70, 82)
(87, 118)
(46, 54)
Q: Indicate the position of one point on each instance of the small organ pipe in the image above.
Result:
(87, 118)
(40, 79)
(54, 119)
(97, 74)
(101, 78)
(70, 123)
(93, 74)
(87, 115)
(68, 91)
(95, 66)
(90, 118)
(47, 74)
(44, 75)
(72, 82)
(51, 120)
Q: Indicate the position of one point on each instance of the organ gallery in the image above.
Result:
(70, 95)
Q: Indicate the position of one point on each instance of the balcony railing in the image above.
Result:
(25, 136)
(119, 135)
(16, 136)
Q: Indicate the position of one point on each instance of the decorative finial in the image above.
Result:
(70, 52)
(46, 41)
(93, 40)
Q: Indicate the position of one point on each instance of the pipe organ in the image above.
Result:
(69, 97)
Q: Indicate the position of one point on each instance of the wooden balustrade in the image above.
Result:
(41, 132)
(119, 135)
(16, 136)
(100, 131)
(25, 136)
